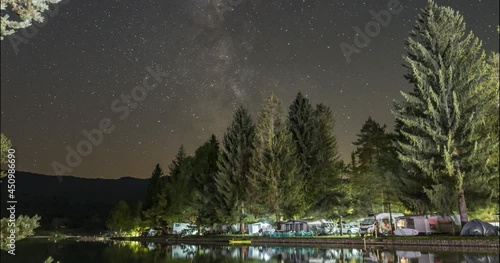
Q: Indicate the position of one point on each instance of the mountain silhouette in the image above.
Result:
(82, 202)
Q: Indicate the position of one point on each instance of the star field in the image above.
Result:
(65, 78)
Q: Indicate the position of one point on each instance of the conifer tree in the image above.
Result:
(204, 172)
(155, 185)
(440, 116)
(302, 125)
(483, 191)
(156, 199)
(328, 192)
(275, 176)
(367, 184)
(180, 190)
(232, 180)
(157, 215)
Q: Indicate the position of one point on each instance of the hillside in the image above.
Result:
(84, 202)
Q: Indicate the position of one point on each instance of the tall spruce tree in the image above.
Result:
(440, 117)
(204, 172)
(155, 208)
(275, 176)
(155, 185)
(327, 167)
(367, 184)
(232, 180)
(180, 191)
(411, 188)
(302, 125)
(483, 191)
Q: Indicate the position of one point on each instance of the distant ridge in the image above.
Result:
(79, 199)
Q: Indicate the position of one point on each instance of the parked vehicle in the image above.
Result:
(382, 219)
(430, 224)
(318, 227)
(184, 229)
(260, 228)
(322, 226)
(347, 228)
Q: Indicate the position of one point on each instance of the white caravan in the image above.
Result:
(429, 224)
(384, 221)
(256, 228)
(322, 226)
(184, 229)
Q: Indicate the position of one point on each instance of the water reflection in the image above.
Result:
(136, 252)
(198, 253)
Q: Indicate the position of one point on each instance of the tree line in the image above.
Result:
(441, 158)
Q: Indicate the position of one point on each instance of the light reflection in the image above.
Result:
(275, 254)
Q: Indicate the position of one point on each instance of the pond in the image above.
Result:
(35, 251)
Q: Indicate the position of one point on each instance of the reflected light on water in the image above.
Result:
(137, 252)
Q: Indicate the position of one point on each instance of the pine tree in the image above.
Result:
(175, 168)
(180, 192)
(483, 191)
(301, 118)
(155, 185)
(440, 116)
(232, 180)
(327, 167)
(156, 199)
(411, 188)
(367, 184)
(204, 172)
(157, 215)
(275, 176)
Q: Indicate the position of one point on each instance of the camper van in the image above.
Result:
(260, 228)
(322, 226)
(430, 224)
(184, 229)
(384, 221)
(319, 227)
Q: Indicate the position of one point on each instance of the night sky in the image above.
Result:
(68, 74)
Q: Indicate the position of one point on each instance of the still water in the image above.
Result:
(35, 251)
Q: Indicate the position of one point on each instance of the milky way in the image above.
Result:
(219, 54)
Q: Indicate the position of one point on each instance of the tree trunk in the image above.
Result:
(277, 220)
(462, 208)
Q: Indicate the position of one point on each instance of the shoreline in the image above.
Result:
(435, 243)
